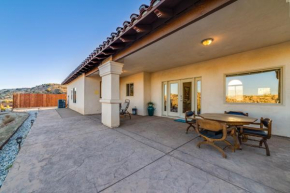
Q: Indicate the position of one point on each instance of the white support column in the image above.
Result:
(110, 73)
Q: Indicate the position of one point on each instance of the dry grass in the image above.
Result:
(7, 119)
(13, 121)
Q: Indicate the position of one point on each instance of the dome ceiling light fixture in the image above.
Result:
(207, 42)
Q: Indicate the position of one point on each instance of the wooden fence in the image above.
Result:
(21, 100)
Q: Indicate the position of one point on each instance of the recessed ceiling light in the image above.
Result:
(207, 42)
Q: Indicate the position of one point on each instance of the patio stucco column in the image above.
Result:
(110, 73)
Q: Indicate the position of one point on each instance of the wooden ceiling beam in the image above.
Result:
(163, 13)
(100, 57)
(142, 28)
(95, 60)
(117, 46)
(108, 53)
(127, 38)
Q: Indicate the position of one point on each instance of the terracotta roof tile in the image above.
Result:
(134, 17)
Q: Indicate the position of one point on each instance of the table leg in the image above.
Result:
(235, 137)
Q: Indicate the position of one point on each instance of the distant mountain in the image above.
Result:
(51, 88)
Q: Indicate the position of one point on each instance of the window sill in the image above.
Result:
(262, 104)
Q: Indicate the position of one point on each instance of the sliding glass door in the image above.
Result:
(177, 97)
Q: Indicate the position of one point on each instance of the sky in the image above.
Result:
(42, 41)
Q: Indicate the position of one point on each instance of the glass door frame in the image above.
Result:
(173, 114)
(195, 94)
(164, 113)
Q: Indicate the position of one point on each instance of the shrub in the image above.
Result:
(8, 119)
(57, 91)
(7, 101)
(2, 108)
(150, 104)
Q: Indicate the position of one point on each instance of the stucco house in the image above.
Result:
(209, 56)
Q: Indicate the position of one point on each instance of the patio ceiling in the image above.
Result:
(242, 26)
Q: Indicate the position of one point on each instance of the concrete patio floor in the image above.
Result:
(68, 152)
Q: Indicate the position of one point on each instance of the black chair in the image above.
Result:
(264, 131)
(124, 108)
(237, 113)
(190, 119)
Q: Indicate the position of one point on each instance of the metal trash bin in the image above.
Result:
(134, 111)
(150, 110)
(61, 103)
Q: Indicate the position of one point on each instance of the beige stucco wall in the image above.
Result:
(92, 95)
(212, 73)
(141, 97)
(147, 91)
(79, 84)
(88, 95)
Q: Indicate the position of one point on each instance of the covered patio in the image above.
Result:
(68, 152)
(161, 56)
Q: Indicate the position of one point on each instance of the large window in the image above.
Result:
(74, 95)
(130, 89)
(254, 87)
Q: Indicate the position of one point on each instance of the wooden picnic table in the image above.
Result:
(233, 121)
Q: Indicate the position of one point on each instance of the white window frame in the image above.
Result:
(75, 95)
(128, 90)
(195, 94)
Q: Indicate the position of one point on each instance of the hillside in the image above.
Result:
(51, 88)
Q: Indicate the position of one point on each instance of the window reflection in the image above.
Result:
(235, 90)
(130, 89)
(174, 97)
(198, 96)
(255, 87)
(186, 96)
